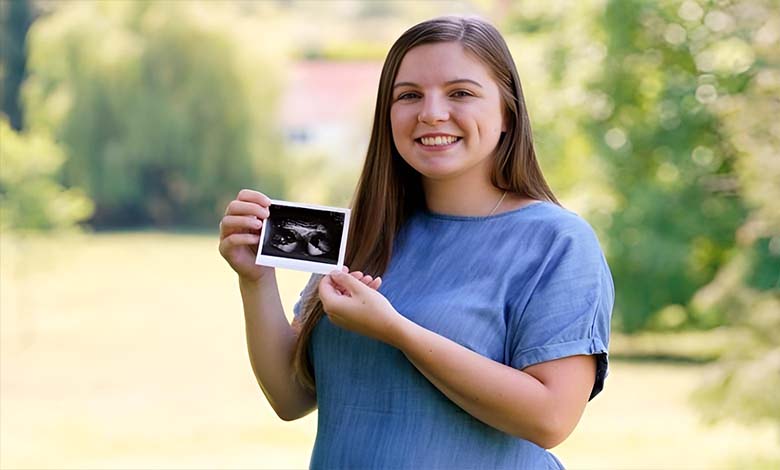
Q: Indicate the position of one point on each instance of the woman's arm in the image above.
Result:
(270, 338)
(271, 344)
(541, 403)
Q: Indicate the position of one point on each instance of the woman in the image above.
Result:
(487, 333)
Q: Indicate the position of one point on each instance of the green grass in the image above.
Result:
(126, 350)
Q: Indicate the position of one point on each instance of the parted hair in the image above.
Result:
(389, 191)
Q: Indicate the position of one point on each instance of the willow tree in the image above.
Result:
(164, 108)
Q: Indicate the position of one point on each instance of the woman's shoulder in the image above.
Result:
(550, 217)
(549, 228)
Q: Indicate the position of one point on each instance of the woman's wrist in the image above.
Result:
(247, 284)
(401, 331)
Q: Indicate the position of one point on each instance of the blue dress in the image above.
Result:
(520, 287)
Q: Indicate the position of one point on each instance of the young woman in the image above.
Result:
(487, 333)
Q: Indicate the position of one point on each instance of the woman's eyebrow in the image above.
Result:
(450, 82)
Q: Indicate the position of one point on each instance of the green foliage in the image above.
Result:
(670, 162)
(15, 19)
(744, 385)
(639, 118)
(556, 57)
(164, 108)
(30, 197)
(746, 290)
(345, 51)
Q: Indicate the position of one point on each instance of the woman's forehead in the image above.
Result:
(438, 63)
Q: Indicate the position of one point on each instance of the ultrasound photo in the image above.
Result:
(304, 237)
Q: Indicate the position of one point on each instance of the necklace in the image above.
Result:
(499, 203)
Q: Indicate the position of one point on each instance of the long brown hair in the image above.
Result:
(389, 190)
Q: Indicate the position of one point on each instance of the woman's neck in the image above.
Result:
(460, 198)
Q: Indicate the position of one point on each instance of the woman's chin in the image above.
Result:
(450, 167)
(434, 168)
(440, 172)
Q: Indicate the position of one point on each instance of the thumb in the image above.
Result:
(346, 282)
(327, 289)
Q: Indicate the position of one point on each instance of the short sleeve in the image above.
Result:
(567, 305)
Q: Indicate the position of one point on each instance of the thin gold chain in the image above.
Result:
(498, 204)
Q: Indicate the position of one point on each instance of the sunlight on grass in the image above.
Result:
(128, 351)
(643, 419)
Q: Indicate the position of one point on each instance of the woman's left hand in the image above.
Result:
(354, 305)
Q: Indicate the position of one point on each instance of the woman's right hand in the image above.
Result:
(239, 233)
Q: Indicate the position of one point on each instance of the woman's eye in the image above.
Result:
(461, 94)
(407, 96)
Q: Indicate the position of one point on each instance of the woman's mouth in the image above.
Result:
(438, 141)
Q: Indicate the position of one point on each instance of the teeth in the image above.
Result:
(438, 140)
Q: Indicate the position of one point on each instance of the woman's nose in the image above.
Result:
(434, 110)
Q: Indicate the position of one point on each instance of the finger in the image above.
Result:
(346, 281)
(344, 269)
(238, 223)
(356, 274)
(328, 290)
(366, 279)
(257, 197)
(325, 289)
(238, 239)
(338, 288)
(247, 208)
(376, 283)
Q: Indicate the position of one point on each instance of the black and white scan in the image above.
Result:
(303, 234)
(303, 237)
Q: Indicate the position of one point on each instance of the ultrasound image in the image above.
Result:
(304, 234)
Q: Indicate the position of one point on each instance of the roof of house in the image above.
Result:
(320, 91)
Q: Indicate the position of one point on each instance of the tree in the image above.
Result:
(15, 19)
(30, 197)
(558, 47)
(165, 108)
(670, 162)
(746, 290)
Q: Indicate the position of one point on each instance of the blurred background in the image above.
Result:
(127, 126)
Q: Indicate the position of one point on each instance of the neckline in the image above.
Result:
(479, 218)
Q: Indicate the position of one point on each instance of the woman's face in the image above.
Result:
(446, 113)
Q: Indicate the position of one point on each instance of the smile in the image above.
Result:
(439, 140)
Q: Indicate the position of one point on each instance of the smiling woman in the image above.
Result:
(474, 329)
(447, 115)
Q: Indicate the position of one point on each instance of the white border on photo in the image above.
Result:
(303, 265)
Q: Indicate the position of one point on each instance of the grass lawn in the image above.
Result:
(127, 351)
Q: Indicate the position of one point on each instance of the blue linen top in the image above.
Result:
(520, 287)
